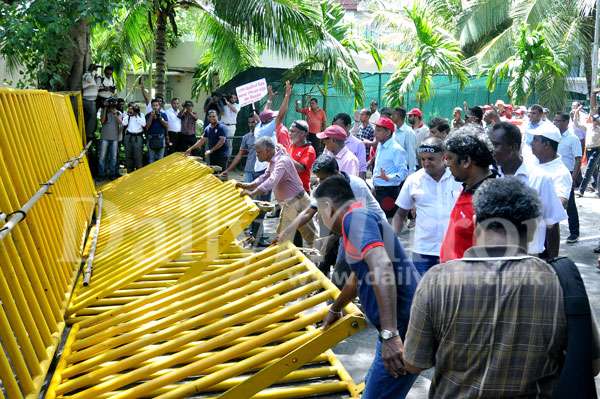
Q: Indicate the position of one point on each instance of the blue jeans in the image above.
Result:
(111, 147)
(424, 262)
(593, 157)
(155, 155)
(248, 177)
(381, 385)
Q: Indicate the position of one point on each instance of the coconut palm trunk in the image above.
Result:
(160, 52)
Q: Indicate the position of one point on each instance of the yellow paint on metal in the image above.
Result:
(169, 209)
(240, 327)
(40, 256)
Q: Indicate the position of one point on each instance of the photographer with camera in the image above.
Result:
(134, 123)
(156, 132)
(229, 119)
(213, 103)
(90, 95)
(109, 139)
(106, 86)
(187, 137)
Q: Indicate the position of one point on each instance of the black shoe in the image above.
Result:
(597, 250)
(572, 239)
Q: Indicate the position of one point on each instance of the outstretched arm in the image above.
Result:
(284, 104)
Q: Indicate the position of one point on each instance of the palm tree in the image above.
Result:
(280, 25)
(335, 55)
(489, 29)
(432, 50)
(533, 67)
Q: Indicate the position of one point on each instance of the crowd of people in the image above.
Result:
(481, 297)
(485, 195)
(148, 134)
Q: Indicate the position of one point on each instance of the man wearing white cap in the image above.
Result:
(545, 148)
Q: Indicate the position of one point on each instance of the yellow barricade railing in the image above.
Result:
(231, 331)
(152, 217)
(39, 254)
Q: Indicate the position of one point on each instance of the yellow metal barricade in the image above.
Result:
(151, 218)
(238, 330)
(40, 254)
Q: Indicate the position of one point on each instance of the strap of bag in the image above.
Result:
(576, 377)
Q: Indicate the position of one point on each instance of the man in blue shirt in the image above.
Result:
(156, 131)
(383, 277)
(216, 136)
(390, 168)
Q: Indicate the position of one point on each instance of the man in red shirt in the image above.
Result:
(316, 119)
(468, 156)
(302, 153)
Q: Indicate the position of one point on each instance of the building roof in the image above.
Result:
(349, 5)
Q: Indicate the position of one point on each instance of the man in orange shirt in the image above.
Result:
(316, 119)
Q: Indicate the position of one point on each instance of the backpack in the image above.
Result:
(576, 378)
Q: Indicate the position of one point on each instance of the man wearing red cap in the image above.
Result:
(391, 167)
(334, 139)
(415, 119)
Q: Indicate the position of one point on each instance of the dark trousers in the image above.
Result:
(593, 157)
(424, 262)
(573, 215)
(185, 141)
(256, 228)
(90, 118)
(134, 147)
(386, 197)
(173, 138)
(219, 159)
(316, 143)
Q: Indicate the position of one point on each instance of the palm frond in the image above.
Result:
(283, 26)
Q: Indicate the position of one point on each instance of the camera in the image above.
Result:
(110, 102)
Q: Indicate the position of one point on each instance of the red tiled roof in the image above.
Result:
(349, 5)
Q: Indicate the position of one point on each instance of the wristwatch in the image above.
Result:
(386, 335)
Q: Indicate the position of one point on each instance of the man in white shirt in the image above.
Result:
(433, 191)
(375, 115)
(405, 136)
(106, 85)
(134, 123)
(570, 152)
(90, 95)
(545, 148)
(174, 125)
(415, 120)
(535, 123)
(229, 119)
(507, 141)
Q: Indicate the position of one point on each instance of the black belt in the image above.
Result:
(230, 124)
(133, 134)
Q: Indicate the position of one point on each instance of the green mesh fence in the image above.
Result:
(446, 94)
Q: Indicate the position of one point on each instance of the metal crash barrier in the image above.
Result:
(240, 330)
(150, 220)
(46, 201)
(172, 306)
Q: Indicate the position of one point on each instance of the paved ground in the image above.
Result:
(356, 353)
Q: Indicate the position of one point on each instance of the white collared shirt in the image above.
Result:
(230, 117)
(569, 148)
(174, 123)
(552, 210)
(135, 124)
(560, 175)
(434, 201)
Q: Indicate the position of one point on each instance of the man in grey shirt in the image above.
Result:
(247, 149)
(109, 140)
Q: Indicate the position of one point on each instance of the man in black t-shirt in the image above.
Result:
(215, 135)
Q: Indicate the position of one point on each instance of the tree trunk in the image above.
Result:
(325, 88)
(81, 55)
(74, 53)
(160, 52)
